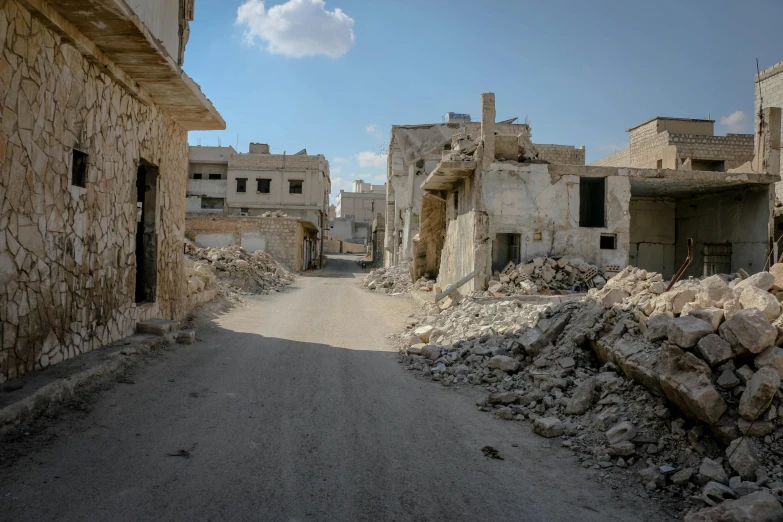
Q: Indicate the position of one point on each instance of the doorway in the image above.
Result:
(146, 232)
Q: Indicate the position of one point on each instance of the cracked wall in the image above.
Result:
(67, 254)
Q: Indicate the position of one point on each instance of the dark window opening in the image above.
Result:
(420, 164)
(264, 185)
(241, 184)
(295, 186)
(197, 175)
(708, 165)
(505, 250)
(447, 146)
(592, 196)
(780, 225)
(79, 168)
(146, 233)
(212, 203)
(660, 164)
(456, 203)
(215, 176)
(244, 210)
(717, 258)
(608, 242)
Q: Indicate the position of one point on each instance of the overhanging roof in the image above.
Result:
(447, 174)
(109, 32)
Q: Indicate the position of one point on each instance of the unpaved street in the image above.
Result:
(294, 407)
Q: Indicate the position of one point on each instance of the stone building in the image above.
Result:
(207, 179)
(481, 210)
(354, 212)
(93, 151)
(768, 89)
(414, 152)
(681, 144)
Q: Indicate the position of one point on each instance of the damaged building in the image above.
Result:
(93, 147)
(415, 151)
(355, 211)
(493, 200)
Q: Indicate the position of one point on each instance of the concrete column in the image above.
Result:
(767, 159)
(488, 147)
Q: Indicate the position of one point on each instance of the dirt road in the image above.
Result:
(293, 408)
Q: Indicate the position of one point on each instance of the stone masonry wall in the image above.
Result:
(735, 149)
(283, 237)
(770, 82)
(67, 254)
(561, 154)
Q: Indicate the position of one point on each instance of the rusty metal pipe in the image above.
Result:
(684, 267)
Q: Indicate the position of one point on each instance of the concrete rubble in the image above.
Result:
(395, 280)
(679, 390)
(547, 275)
(234, 270)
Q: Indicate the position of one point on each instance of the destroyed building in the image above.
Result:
(355, 211)
(493, 200)
(93, 148)
(681, 144)
(414, 152)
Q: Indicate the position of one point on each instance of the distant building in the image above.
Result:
(355, 211)
(681, 144)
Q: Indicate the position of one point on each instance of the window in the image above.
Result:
(241, 184)
(295, 186)
(608, 241)
(505, 250)
(212, 203)
(447, 146)
(244, 211)
(79, 169)
(717, 258)
(420, 164)
(592, 193)
(215, 176)
(197, 175)
(264, 185)
(660, 164)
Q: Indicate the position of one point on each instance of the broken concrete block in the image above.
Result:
(772, 357)
(504, 363)
(186, 337)
(652, 475)
(496, 287)
(430, 351)
(685, 331)
(753, 297)
(621, 432)
(562, 262)
(715, 493)
(613, 296)
(763, 281)
(714, 350)
(777, 272)
(158, 327)
(750, 330)
(658, 326)
(685, 380)
(548, 427)
(756, 507)
(712, 315)
(713, 291)
(423, 332)
(538, 262)
(742, 458)
(731, 307)
(680, 298)
(583, 397)
(759, 393)
(416, 349)
(622, 449)
(504, 398)
(712, 471)
(683, 476)
(727, 380)
(756, 428)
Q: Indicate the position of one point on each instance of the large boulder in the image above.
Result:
(712, 471)
(711, 314)
(685, 331)
(713, 291)
(658, 326)
(685, 380)
(777, 272)
(758, 394)
(753, 297)
(772, 357)
(749, 330)
(714, 350)
(756, 507)
(762, 281)
(742, 458)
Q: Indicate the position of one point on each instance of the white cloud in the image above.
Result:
(736, 122)
(297, 28)
(339, 160)
(373, 129)
(371, 159)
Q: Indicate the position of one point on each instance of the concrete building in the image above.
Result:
(224, 182)
(477, 204)
(414, 152)
(768, 88)
(681, 144)
(93, 151)
(354, 211)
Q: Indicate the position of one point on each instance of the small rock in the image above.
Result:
(714, 350)
(756, 507)
(715, 493)
(685, 331)
(727, 380)
(712, 471)
(683, 476)
(548, 427)
(504, 363)
(186, 337)
(772, 357)
(759, 393)
(621, 432)
(583, 397)
(753, 297)
(742, 458)
(750, 330)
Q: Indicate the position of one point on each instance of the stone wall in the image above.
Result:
(280, 237)
(770, 83)
(561, 154)
(735, 149)
(67, 253)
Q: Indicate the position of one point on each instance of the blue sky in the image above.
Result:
(333, 77)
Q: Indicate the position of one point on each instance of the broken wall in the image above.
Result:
(652, 238)
(526, 199)
(459, 254)
(429, 245)
(67, 253)
(739, 218)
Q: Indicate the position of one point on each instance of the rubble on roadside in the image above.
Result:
(548, 275)
(275, 214)
(235, 270)
(677, 390)
(395, 281)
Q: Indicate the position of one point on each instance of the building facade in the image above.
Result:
(355, 211)
(93, 152)
(682, 144)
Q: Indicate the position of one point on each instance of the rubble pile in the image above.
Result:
(679, 390)
(395, 280)
(548, 275)
(236, 270)
(275, 213)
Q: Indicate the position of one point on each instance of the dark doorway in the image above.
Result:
(146, 233)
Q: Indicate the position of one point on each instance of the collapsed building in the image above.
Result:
(494, 200)
(414, 152)
(93, 149)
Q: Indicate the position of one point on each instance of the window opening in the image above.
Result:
(197, 175)
(264, 185)
(295, 186)
(592, 196)
(79, 168)
(241, 184)
(608, 241)
(717, 258)
(215, 176)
